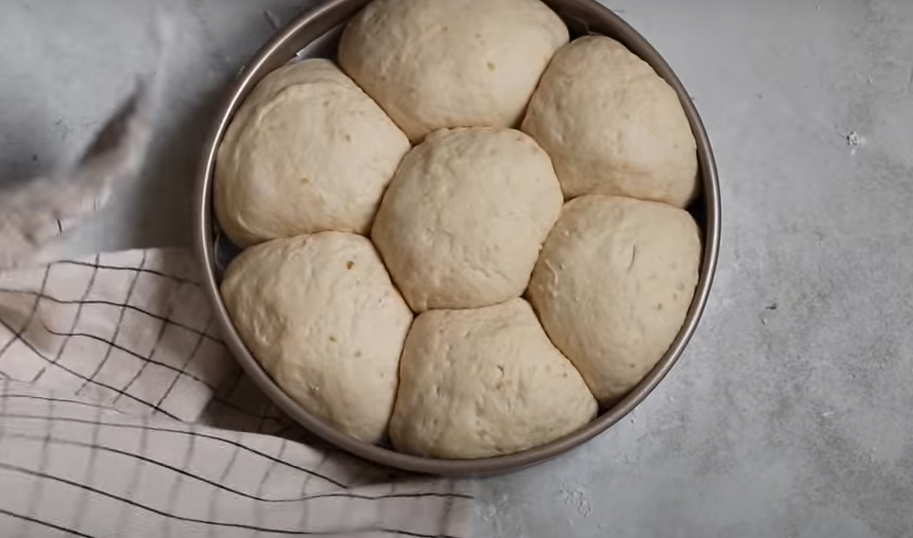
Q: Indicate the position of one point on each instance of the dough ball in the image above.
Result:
(613, 286)
(320, 314)
(465, 215)
(433, 64)
(613, 126)
(308, 151)
(484, 382)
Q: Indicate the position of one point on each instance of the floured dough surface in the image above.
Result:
(435, 64)
(465, 216)
(613, 286)
(321, 315)
(485, 382)
(308, 151)
(613, 126)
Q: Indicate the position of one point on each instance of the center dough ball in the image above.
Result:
(307, 152)
(464, 218)
(485, 382)
(435, 64)
(320, 314)
(613, 286)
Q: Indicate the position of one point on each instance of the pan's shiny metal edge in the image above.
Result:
(582, 16)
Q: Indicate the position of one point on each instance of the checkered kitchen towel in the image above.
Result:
(123, 415)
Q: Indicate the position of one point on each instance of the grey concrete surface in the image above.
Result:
(789, 415)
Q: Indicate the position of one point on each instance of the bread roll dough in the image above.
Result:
(465, 215)
(320, 314)
(433, 64)
(613, 285)
(308, 151)
(484, 382)
(613, 126)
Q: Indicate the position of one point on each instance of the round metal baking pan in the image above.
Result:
(314, 33)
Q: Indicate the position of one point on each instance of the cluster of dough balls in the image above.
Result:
(467, 236)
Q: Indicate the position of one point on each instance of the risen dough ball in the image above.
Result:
(433, 64)
(613, 126)
(308, 151)
(321, 315)
(484, 382)
(613, 286)
(463, 220)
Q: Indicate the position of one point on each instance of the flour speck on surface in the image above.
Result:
(854, 140)
(576, 496)
(489, 511)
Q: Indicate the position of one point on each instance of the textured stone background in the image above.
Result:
(789, 414)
